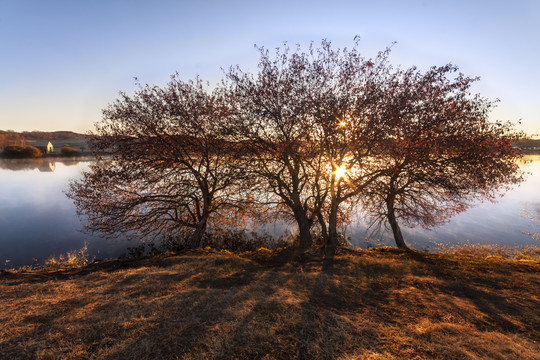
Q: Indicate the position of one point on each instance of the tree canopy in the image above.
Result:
(441, 152)
(169, 171)
(310, 137)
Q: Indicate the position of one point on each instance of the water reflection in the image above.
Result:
(37, 220)
(498, 222)
(42, 164)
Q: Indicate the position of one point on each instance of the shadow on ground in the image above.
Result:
(371, 305)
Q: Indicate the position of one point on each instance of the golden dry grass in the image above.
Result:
(373, 304)
(526, 252)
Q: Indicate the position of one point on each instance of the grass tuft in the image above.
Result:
(71, 259)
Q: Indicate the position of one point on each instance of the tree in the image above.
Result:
(441, 151)
(11, 138)
(170, 172)
(273, 123)
(306, 138)
(18, 152)
(534, 216)
(310, 120)
(348, 129)
(69, 151)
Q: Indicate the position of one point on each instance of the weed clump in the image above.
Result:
(71, 259)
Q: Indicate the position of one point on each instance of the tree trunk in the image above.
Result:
(332, 240)
(391, 216)
(195, 239)
(324, 229)
(304, 229)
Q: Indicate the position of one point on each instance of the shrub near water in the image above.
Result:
(19, 152)
(69, 151)
(71, 259)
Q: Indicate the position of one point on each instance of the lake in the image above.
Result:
(37, 220)
(511, 220)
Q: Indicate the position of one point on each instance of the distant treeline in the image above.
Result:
(10, 137)
(528, 143)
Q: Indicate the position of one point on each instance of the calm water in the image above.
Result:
(510, 220)
(37, 220)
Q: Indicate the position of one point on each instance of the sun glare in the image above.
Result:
(340, 172)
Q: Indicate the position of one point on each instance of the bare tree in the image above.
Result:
(170, 172)
(312, 125)
(11, 138)
(348, 129)
(441, 152)
(274, 125)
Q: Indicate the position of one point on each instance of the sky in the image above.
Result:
(62, 62)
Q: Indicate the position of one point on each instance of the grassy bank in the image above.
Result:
(373, 304)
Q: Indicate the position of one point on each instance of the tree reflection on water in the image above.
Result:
(534, 216)
(47, 164)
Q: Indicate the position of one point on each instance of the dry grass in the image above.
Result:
(71, 259)
(526, 252)
(373, 304)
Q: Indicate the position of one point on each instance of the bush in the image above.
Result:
(228, 240)
(236, 240)
(19, 152)
(69, 151)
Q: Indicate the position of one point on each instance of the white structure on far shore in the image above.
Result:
(50, 147)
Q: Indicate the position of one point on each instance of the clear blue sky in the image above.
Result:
(61, 62)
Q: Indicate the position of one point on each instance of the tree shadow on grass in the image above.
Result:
(227, 307)
(484, 285)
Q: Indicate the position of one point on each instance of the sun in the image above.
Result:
(340, 172)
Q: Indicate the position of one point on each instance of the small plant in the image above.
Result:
(228, 240)
(71, 259)
(136, 252)
(144, 249)
(237, 240)
(534, 216)
(6, 264)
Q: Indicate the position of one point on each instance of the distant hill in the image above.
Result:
(59, 139)
(45, 135)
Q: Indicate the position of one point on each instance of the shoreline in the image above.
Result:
(79, 259)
